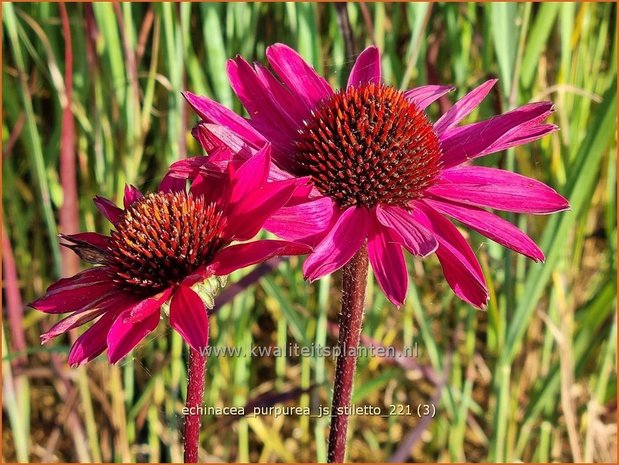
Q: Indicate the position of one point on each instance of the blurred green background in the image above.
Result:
(532, 379)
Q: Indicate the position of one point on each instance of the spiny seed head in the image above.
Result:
(163, 238)
(368, 145)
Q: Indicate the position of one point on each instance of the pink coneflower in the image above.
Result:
(384, 175)
(384, 179)
(169, 253)
(168, 249)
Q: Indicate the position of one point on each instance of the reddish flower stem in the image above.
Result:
(195, 396)
(354, 281)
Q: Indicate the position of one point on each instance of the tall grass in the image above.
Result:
(533, 378)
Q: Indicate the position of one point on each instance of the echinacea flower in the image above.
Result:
(384, 175)
(167, 253)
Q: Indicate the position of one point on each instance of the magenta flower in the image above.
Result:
(166, 247)
(383, 174)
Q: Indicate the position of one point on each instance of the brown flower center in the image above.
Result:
(163, 238)
(368, 145)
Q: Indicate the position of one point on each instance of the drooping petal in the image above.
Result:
(189, 317)
(94, 341)
(523, 135)
(239, 256)
(500, 189)
(424, 96)
(93, 239)
(460, 266)
(305, 222)
(366, 68)
(124, 335)
(417, 239)
(199, 275)
(214, 112)
(145, 307)
(491, 226)
(388, 263)
(471, 141)
(91, 247)
(132, 194)
(81, 279)
(114, 303)
(339, 244)
(300, 78)
(72, 321)
(463, 107)
(108, 209)
(74, 298)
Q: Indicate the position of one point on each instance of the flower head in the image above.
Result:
(383, 174)
(169, 249)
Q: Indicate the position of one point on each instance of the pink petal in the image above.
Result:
(189, 317)
(463, 107)
(113, 303)
(460, 266)
(523, 135)
(388, 264)
(145, 307)
(241, 255)
(204, 138)
(248, 215)
(81, 279)
(124, 335)
(305, 222)
(423, 96)
(340, 244)
(214, 112)
(491, 226)
(220, 143)
(258, 100)
(219, 136)
(189, 168)
(286, 101)
(471, 141)
(251, 175)
(366, 68)
(300, 78)
(199, 275)
(94, 341)
(172, 183)
(74, 298)
(132, 194)
(214, 189)
(500, 189)
(417, 239)
(108, 209)
(225, 146)
(73, 321)
(304, 191)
